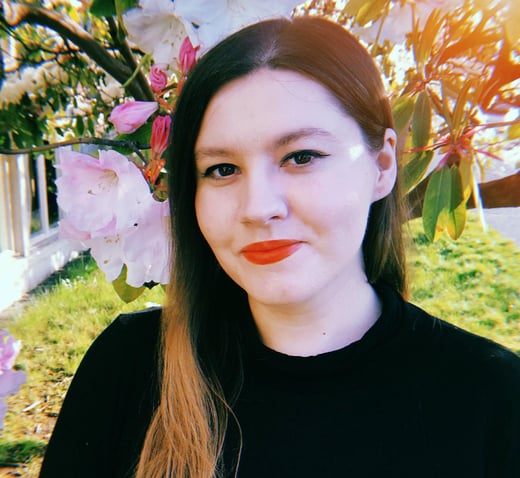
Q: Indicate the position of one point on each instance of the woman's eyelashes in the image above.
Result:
(219, 171)
(296, 159)
(302, 158)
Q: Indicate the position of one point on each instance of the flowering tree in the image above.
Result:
(451, 67)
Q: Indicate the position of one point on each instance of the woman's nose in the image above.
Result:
(263, 199)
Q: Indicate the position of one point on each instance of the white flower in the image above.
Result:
(111, 90)
(232, 15)
(146, 249)
(54, 74)
(101, 196)
(107, 251)
(156, 28)
(110, 210)
(30, 80)
(159, 26)
(12, 90)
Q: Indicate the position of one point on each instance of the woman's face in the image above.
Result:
(284, 185)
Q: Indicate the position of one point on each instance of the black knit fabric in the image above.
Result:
(415, 397)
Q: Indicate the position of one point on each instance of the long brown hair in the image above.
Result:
(200, 364)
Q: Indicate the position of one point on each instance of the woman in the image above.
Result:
(286, 348)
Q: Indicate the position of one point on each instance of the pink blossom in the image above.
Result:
(147, 249)
(108, 253)
(67, 230)
(160, 134)
(102, 196)
(131, 115)
(187, 56)
(158, 78)
(10, 380)
(9, 348)
(108, 206)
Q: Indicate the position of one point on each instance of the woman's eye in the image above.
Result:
(300, 158)
(220, 171)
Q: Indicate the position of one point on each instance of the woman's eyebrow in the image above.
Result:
(303, 133)
(284, 140)
(212, 153)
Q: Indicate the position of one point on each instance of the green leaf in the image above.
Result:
(436, 199)
(456, 196)
(462, 101)
(365, 11)
(402, 112)
(513, 131)
(421, 121)
(371, 11)
(456, 213)
(466, 176)
(80, 125)
(427, 37)
(125, 291)
(91, 126)
(141, 136)
(103, 8)
(415, 169)
(448, 117)
(110, 8)
(456, 221)
(354, 6)
(123, 5)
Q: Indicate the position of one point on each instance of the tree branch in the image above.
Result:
(133, 145)
(124, 49)
(17, 13)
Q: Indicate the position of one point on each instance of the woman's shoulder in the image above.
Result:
(442, 351)
(109, 402)
(460, 353)
(130, 330)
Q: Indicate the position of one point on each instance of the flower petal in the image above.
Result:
(156, 29)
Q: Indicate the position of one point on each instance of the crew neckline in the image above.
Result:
(258, 355)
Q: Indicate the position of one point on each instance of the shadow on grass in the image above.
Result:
(23, 451)
(82, 266)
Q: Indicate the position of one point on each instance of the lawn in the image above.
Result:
(472, 282)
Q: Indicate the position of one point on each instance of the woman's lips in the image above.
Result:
(269, 252)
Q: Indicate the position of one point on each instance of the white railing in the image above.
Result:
(16, 190)
(26, 258)
(15, 204)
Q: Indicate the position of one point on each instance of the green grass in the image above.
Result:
(472, 282)
(56, 326)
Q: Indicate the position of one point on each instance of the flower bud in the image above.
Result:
(187, 56)
(158, 78)
(160, 134)
(131, 115)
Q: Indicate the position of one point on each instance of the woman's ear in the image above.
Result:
(386, 163)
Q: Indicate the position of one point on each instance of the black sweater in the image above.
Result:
(415, 397)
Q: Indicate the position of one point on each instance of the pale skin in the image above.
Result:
(278, 159)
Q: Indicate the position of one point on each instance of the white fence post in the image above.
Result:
(16, 204)
(41, 178)
(5, 215)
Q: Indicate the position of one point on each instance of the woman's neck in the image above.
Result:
(318, 326)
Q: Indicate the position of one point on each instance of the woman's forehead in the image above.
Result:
(278, 105)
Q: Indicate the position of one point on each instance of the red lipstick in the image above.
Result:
(269, 252)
